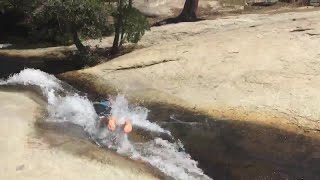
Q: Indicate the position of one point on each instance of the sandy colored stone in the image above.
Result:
(26, 156)
(261, 68)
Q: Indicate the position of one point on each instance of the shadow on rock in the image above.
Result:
(227, 149)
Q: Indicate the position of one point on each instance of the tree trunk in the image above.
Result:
(122, 28)
(118, 24)
(122, 37)
(189, 12)
(115, 45)
(76, 40)
(130, 3)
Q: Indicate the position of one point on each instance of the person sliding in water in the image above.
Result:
(103, 110)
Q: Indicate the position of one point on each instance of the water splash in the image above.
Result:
(136, 114)
(34, 77)
(167, 157)
(3, 46)
(75, 109)
(71, 107)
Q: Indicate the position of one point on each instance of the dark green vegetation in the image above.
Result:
(65, 22)
(130, 24)
(86, 18)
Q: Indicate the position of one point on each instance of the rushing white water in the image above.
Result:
(5, 45)
(79, 110)
(34, 77)
(137, 115)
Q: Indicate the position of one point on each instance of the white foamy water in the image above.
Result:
(5, 45)
(162, 154)
(137, 115)
(76, 109)
(34, 77)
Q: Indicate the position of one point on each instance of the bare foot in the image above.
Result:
(127, 127)
(112, 124)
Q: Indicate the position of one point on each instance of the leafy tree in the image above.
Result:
(21, 5)
(62, 21)
(87, 18)
(129, 24)
(13, 18)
